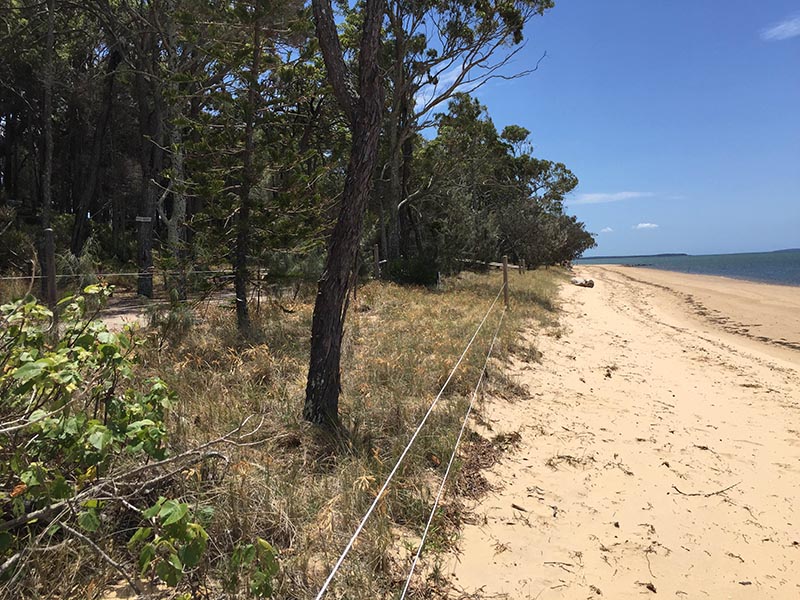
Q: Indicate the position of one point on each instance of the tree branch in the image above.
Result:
(338, 74)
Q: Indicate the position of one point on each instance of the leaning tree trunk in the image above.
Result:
(327, 328)
(364, 111)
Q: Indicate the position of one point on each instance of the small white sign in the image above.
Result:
(144, 219)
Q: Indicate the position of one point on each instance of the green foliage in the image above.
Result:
(488, 196)
(416, 270)
(70, 411)
(253, 566)
(172, 544)
(76, 427)
(66, 402)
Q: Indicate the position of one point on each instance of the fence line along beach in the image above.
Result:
(659, 447)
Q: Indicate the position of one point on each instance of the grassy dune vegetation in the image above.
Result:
(278, 479)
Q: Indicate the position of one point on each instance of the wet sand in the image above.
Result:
(660, 448)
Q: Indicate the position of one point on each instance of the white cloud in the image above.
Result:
(784, 30)
(645, 226)
(601, 198)
(606, 230)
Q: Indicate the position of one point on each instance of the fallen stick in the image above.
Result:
(708, 495)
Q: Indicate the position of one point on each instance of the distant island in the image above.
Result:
(787, 250)
(644, 255)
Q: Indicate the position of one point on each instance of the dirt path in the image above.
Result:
(660, 455)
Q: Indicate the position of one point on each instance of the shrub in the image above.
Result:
(417, 270)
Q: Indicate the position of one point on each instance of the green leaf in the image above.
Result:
(29, 371)
(153, 510)
(141, 534)
(59, 488)
(100, 438)
(171, 570)
(192, 553)
(172, 512)
(89, 520)
(146, 556)
(6, 539)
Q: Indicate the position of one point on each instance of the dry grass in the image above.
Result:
(305, 492)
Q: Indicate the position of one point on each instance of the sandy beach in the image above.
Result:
(659, 452)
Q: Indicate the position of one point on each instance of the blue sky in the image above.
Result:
(681, 120)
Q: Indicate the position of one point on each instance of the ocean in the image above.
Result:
(782, 267)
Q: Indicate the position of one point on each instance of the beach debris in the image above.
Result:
(518, 507)
(581, 282)
(648, 585)
(561, 565)
(709, 494)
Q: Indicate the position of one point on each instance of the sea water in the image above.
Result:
(781, 267)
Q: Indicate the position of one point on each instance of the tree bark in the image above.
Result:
(151, 127)
(47, 163)
(364, 112)
(240, 266)
(81, 229)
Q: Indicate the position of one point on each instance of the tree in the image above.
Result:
(433, 51)
(363, 108)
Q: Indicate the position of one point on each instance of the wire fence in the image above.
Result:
(504, 290)
(325, 586)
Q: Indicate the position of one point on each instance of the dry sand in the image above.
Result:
(660, 451)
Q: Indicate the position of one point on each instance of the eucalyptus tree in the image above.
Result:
(360, 97)
(441, 46)
(433, 50)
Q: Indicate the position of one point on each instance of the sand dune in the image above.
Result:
(660, 449)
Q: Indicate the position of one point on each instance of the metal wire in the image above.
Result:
(369, 512)
(452, 459)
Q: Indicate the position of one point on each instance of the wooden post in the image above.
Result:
(505, 279)
(50, 277)
(522, 267)
(376, 256)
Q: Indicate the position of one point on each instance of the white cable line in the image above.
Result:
(403, 455)
(135, 273)
(452, 459)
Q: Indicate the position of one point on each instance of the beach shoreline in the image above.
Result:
(766, 313)
(660, 447)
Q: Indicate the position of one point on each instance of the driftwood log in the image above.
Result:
(580, 281)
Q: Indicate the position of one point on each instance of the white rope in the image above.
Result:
(347, 548)
(452, 459)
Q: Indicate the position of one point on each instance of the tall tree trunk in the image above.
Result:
(364, 112)
(175, 219)
(151, 158)
(241, 274)
(394, 189)
(9, 155)
(81, 229)
(330, 309)
(47, 163)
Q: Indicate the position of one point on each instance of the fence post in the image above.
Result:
(523, 268)
(505, 279)
(376, 256)
(50, 277)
